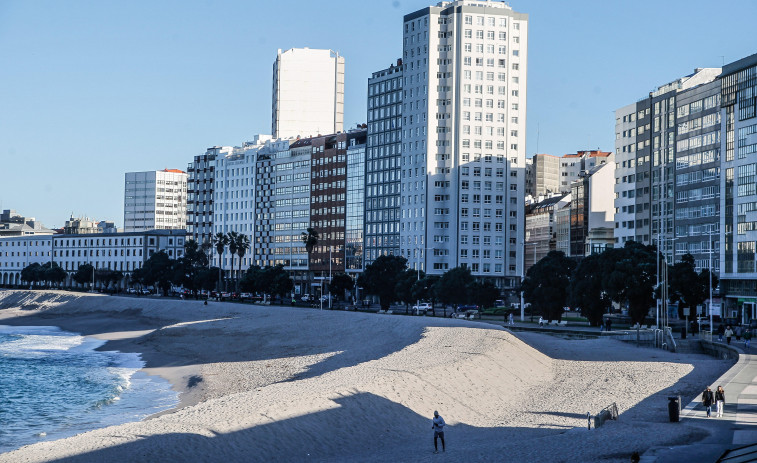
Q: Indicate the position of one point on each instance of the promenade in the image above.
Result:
(737, 427)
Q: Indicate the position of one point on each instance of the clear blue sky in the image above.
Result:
(92, 89)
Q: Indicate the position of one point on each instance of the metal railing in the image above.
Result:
(608, 413)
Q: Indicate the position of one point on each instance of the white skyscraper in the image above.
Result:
(464, 136)
(308, 93)
(155, 200)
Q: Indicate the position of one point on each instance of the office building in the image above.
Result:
(738, 182)
(308, 93)
(200, 193)
(463, 143)
(155, 200)
(383, 163)
(667, 158)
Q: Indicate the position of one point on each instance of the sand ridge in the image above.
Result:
(292, 384)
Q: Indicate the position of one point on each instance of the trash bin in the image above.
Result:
(674, 408)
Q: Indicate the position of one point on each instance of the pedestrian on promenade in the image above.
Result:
(609, 324)
(541, 321)
(510, 319)
(721, 331)
(694, 328)
(738, 332)
(707, 400)
(728, 334)
(719, 401)
(747, 337)
(437, 424)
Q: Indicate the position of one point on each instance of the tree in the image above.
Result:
(206, 246)
(232, 239)
(207, 278)
(452, 287)
(159, 271)
(423, 289)
(340, 283)
(629, 277)
(586, 290)
(404, 287)
(32, 273)
(220, 241)
(54, 273)
(484, 294)
(546, 284)
(191, 266)
(687, 287)
(84, 274)
(242, 245)
(277, 281)
(381, 276)
(268, 280)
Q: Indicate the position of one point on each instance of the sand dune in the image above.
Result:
(286, 384)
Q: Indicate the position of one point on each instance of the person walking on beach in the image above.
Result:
(437, 424)
(728, 334)
(719, 401)
(747, 337)
(707, 400)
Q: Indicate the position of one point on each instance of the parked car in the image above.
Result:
(422, 308)
(305, 298)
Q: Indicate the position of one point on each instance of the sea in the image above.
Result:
(54, 384)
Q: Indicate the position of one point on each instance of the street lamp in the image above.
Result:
(523, 277)
(418, 272)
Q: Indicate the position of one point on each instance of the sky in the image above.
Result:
(90, 90)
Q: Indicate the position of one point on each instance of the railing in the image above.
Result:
(608, 413)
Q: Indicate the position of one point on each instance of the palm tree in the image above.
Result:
(310, 239)
(233, 239)
(243, 244)
(206, 246)
(220, 240)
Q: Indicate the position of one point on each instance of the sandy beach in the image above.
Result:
(261, 383)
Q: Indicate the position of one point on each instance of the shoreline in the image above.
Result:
(265, 383)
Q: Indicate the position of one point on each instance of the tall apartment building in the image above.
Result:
(155, 200)
(282, 208)
(738, 203)
(200, 193)
(308, 93)
(234, 199)
(545, 176)
(464, 128)
(667, 158)
(383, 163)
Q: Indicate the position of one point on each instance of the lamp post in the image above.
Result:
(418, 272)
(523, 277)
(709, 306)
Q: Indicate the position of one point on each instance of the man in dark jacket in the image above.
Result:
(707, 400)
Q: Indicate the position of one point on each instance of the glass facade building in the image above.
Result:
(382, 166)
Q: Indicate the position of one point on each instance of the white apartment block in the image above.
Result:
(625, 174)
(464, 137)
(155, 200)
(234, 195)
(308, 93)
(114, 251)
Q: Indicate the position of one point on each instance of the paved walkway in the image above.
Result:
(737, 427)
